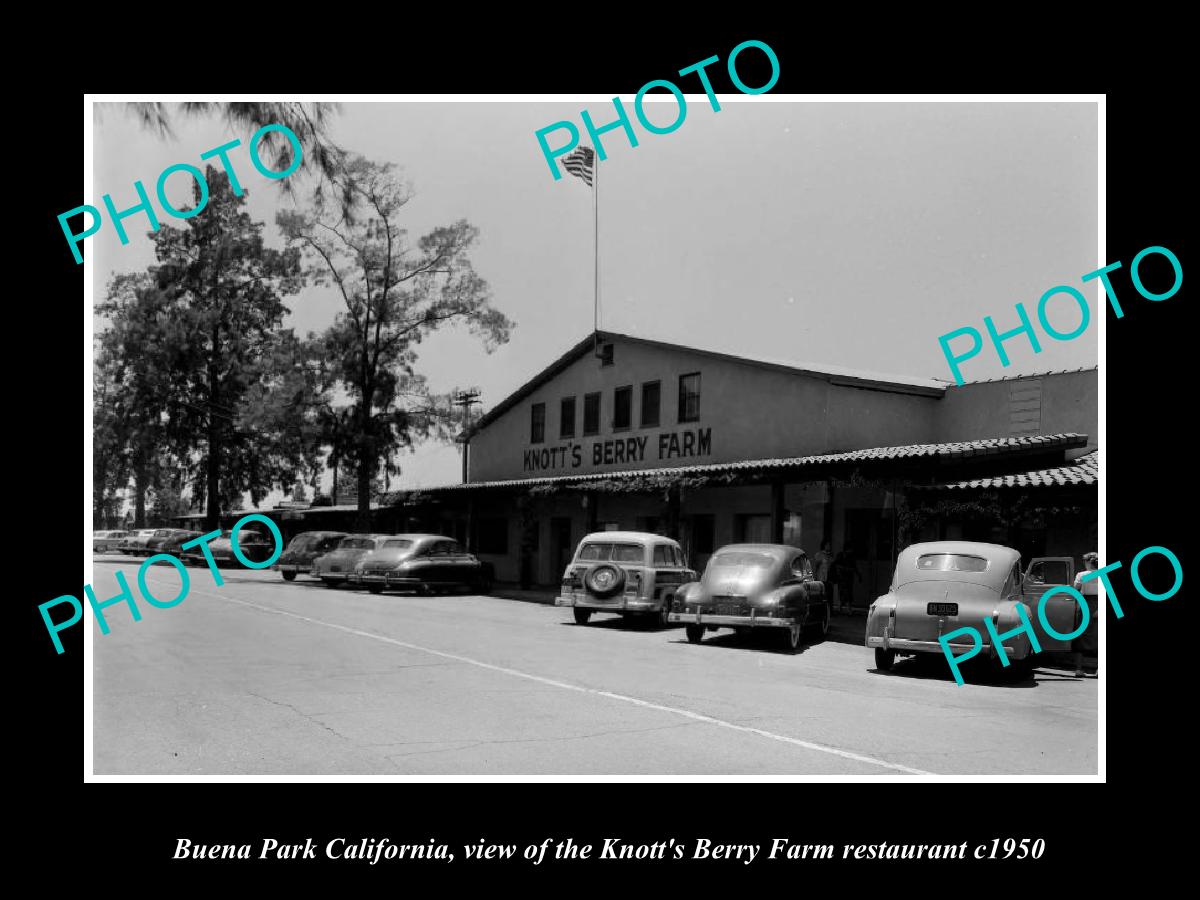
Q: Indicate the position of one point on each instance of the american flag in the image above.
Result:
(579, 163)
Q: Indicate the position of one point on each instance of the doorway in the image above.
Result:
(561, 547)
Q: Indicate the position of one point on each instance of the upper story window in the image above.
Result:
(537, 423)
(651, 396)
(622, 408)
(689, 397)
(591, 413)
(566, 418)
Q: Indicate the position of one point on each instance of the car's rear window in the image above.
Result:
(951, 562)
(752, 560)
(628, 553)
(356, 544)
(397, 545)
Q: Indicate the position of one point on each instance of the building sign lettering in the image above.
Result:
(620, 451)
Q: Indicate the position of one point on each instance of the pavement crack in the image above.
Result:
(307, 716)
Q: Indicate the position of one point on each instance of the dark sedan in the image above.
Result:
(305, 547)
(422, 563)
(169, 543)
(751, 586)
(255, 546)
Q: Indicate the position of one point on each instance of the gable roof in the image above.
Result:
(872, 381)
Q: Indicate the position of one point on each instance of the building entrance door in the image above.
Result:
(561, 548)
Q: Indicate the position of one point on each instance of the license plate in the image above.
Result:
(942, 609)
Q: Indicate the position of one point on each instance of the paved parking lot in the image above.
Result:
(262, 677)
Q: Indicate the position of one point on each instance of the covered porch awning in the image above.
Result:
(918, 464)
(1082, 471)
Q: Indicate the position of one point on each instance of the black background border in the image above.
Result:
(131, 828)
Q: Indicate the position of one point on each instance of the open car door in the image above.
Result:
(1044, 573)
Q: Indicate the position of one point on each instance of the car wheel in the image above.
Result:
(375, 588)
(695, 633)
(288, 576)
(664, 614)
(582, 616)
(791, 637)
(332, 582)
(884, 659)
(821, 629)
(1020, 669)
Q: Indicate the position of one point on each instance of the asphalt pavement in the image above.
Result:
(265, 677)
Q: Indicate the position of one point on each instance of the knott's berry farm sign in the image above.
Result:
(573, 454)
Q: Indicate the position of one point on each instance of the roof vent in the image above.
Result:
(606, 354)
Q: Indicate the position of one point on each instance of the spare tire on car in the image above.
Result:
(604, 580)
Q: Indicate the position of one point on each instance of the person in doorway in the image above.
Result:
(1088, 643)
(845, 571)
(822, 567)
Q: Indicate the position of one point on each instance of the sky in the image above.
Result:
(838, 234)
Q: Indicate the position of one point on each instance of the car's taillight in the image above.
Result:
(633, 581)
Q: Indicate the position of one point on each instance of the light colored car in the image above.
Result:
(752, 586)
(941, 586)
(337, 566)
(104, 541)
(135, 542)
(422, 563)
(632, 573)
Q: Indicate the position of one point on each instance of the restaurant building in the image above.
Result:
(622, 432)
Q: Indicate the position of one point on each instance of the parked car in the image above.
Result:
(337, 566)
(255, 546)
(625, 572)
(104, 541)
(158, 543)
(135, 542)
(174, 544)
(304, 548)
(751, 586)
(944, 585)
(421, 562)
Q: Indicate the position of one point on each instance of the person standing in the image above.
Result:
(845, 571)
(822, 566)
(1089, 641)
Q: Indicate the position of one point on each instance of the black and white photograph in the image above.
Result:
(532, 438)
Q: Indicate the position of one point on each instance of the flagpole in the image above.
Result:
(596, 247)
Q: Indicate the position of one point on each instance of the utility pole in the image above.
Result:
(466, 399)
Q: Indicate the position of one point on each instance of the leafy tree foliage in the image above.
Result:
(309, 121)
(395, 293)
(196, 367)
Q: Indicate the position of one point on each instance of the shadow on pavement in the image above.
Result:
(762, 640)
(979, 672)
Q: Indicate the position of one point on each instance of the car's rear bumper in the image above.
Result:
(616, 604)
(754, 621)
(903, 645)
(391, 579)
(300, 568)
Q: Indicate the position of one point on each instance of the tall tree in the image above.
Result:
(225, 289)
(395, 294)
(132, 435)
